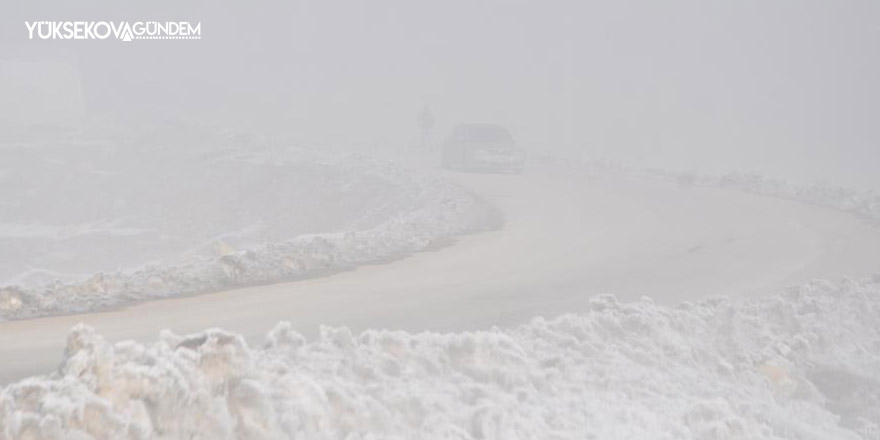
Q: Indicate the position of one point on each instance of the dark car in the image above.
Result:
(482, 147)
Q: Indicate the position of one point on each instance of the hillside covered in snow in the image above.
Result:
(90, 225)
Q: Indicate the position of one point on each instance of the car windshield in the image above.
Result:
(482, 133)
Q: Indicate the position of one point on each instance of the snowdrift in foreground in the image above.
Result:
(387, 212)
(804, 364)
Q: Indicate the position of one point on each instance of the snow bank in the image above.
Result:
(862, 204)
(801, 365)
(364, 210)
(865, 204)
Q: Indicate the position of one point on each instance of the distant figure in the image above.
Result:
(426, 126)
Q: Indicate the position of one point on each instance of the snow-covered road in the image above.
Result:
(567, 237)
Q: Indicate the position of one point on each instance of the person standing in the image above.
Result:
(426, 127)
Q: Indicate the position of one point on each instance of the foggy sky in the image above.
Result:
(787, 87)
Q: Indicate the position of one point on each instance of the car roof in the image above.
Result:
(482, 131)
(479, 126)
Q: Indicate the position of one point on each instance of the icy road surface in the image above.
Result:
(567, 237)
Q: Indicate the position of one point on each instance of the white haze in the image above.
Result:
(687, 248)
(785, 87)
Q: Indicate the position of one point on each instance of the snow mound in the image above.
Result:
(298, 213)
(865, 204)
(862, 204)
(804, 364)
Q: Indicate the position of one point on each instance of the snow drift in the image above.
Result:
(864, 204)
(151, 218)
(804, 364)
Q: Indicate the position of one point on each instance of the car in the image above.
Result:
(482, 147)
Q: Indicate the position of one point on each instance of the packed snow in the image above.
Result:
(804, 364)
(152, 216)
(865, 204)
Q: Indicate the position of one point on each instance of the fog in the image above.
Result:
(454, 220)
(787, 88)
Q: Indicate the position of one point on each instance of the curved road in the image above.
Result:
(567, 236)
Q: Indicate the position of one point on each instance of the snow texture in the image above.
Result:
(865, 204)
(369, 211)
(804, 364)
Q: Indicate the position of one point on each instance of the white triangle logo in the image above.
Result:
(126, 33)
